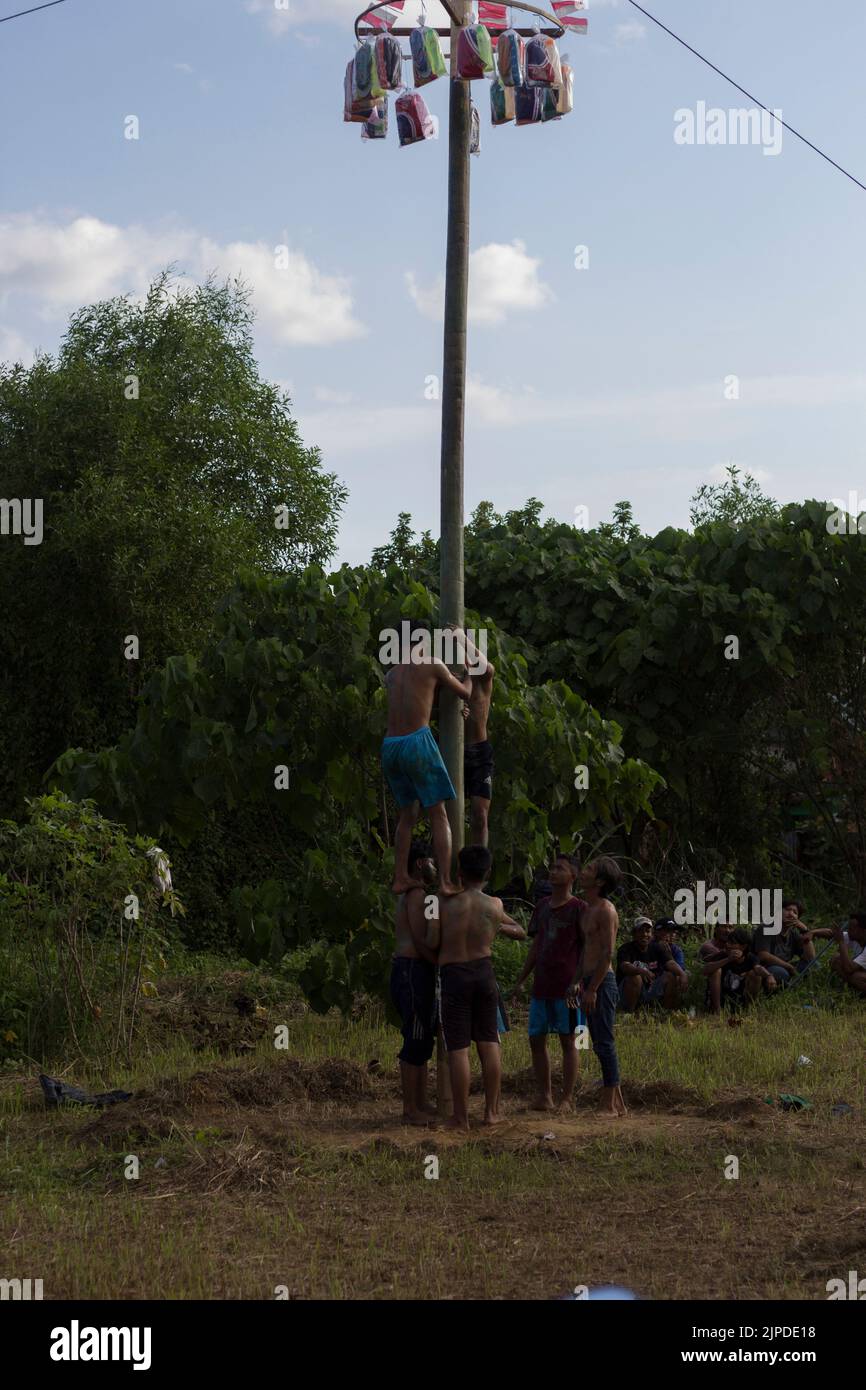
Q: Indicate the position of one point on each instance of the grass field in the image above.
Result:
(262, 1170)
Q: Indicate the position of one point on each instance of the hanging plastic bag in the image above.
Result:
(365, 76)
(501, 103)
(376, 128)
(427, 60)
(565, 91)
(353, 109)
(389, 63)
(414, 121)
(511, 58)
(475, 130)
(527, 105)
(543, 65)
(474, 53)
(549, 103)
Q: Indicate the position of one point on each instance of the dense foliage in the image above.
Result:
(291, 680)
(753, 736)
(160, 458)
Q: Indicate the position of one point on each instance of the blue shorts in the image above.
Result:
(553, 1016)
(650, 994)
(415, 771)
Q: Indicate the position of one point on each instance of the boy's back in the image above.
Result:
(468, 922)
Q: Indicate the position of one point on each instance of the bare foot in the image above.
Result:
(493, 1119)
(566, 1106)
(619, 1103)
(543, 1103)
(457, 1124)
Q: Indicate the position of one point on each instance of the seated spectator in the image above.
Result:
(667, 933)
(646, 971)
(850, 963)
(742, 976)
(787, 953)
(711, 950)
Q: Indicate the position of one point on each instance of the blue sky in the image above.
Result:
(586, 386)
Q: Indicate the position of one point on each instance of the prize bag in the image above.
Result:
(501, 103)
(427, 60)
(355, 109)
(376, 128)
(527, 105)
(510, 58)
(414, 121)
(389, 63)
(565, 91)
(365, 76)
(549, 103)
(474, 53)
(475, 130)
(543, 66)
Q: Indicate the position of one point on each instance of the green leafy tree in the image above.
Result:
(160, 457)
(736, 502)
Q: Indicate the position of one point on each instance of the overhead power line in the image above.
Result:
(49, 3)
(787, 127)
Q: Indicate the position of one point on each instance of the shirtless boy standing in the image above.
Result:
(412, 762)
(598, 991)
(468, 996)
(413, 985)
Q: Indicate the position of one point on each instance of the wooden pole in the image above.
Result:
(453, 420)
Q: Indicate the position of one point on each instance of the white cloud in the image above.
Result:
(60, 266)
(631, 32)
(15, 348)
(503, 279)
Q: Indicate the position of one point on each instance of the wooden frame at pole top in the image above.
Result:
(556, 31)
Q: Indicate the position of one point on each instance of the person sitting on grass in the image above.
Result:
(742, 974)
(647, 972)
(554, 957)
(468, 996)
(666, 932)
(715, 949)
(850, 963)
(413, 985)
(786, 953)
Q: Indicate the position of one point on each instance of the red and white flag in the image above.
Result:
(493, 16)
(565, 11)
(386, 16)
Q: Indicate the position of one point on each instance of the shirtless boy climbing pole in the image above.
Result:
(411, 760)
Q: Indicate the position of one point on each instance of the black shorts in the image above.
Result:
(478, 770)
(468, 1004)
(413, 993)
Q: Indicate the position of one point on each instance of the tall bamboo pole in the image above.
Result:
(453, 422)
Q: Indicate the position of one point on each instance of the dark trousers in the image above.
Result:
(601, 1023)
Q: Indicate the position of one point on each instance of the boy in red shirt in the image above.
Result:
(554, 956)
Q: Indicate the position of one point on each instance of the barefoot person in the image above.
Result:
(468, 997)
(413, 985)
(554, 956)
(598, 991)
(411, 760)
(478, 753)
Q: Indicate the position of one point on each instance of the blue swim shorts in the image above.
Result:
(415, 771)
(553, 1016)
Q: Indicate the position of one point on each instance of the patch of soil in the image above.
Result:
(217, 1014)
(738, 1108)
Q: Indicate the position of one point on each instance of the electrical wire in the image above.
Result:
(787, 127)
(6, 17)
